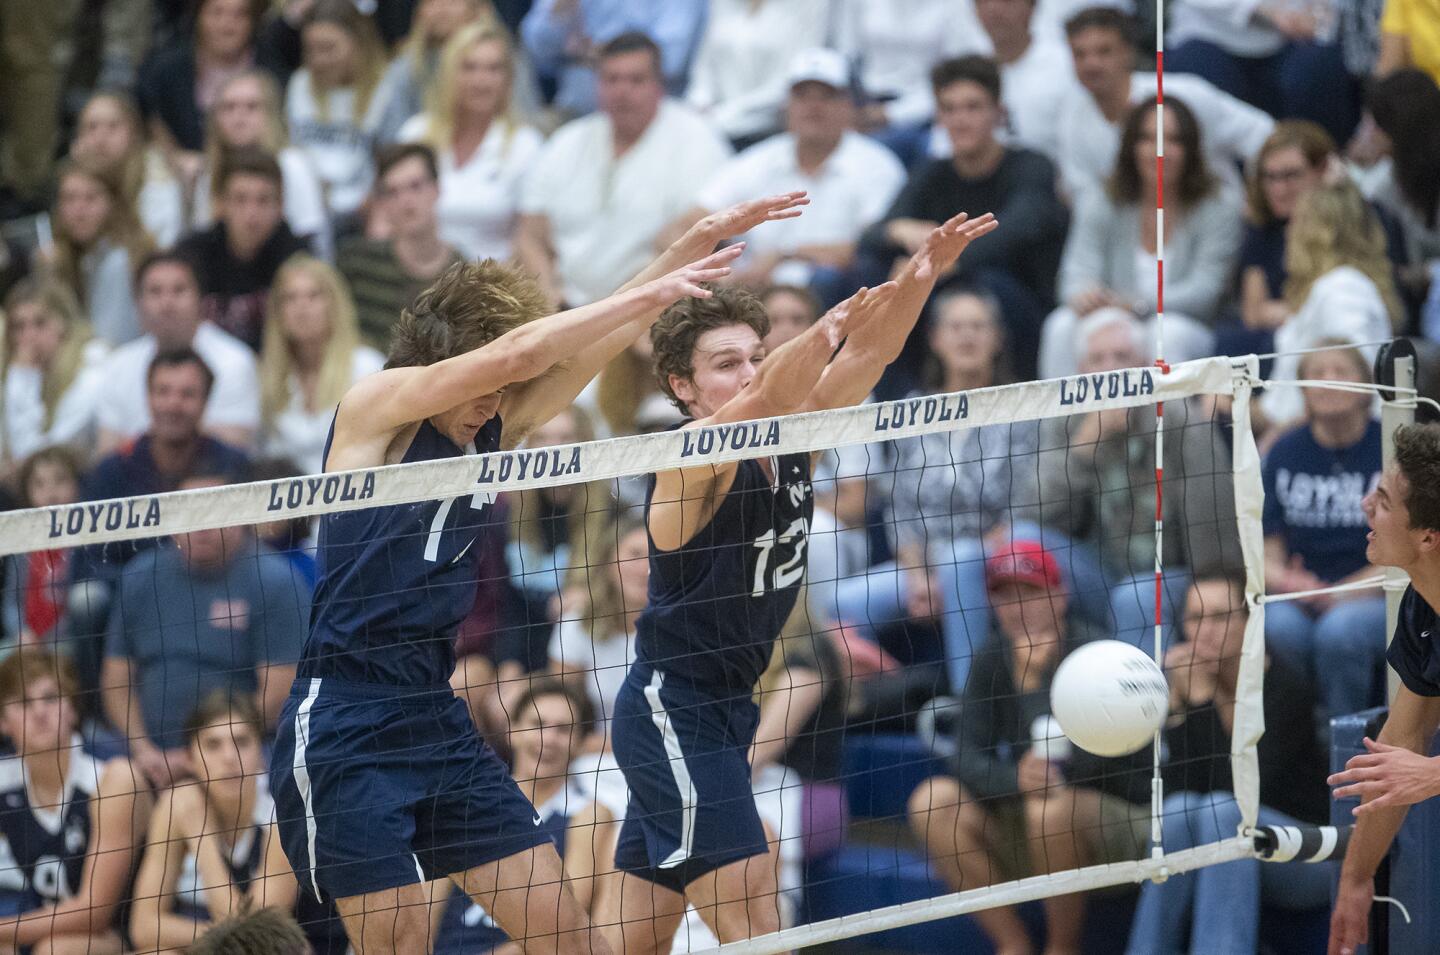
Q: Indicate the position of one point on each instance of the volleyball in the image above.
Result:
(1110, 697)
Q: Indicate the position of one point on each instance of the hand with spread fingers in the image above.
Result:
(744, 216)
(1387, 776)
(945, 243)
(856, 312)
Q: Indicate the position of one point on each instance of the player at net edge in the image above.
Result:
(380, 779)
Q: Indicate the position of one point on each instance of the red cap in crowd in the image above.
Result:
(1025, 562)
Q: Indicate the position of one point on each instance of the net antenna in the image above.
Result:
(1157, 785)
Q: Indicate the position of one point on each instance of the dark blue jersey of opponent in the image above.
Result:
(42, 851)
(717, 603)
(394, 582)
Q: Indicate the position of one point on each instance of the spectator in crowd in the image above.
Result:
(1339, 286)
(1102, 45)
(385, 275)
(410, 79)
(851, 181)
(1005, 809)
(169, 300)
(1293, 161)
(245, 116)
(311, 357)
(288, 537)
(1097, 485)
(792, 309)
(98, 242)
(895, 44)
(211, 853)
(605, 185)
(1315, 479)
(980, 479)
(109, 136)
(1110, 255)
(563, 36)
(1281, 58)
(594, 642)
(256, 932)
(1217, 908)
(333, 103)
(738, 79)
(73, 825)
(50, 366)
(551, 725)
(1019, 260)
(1410, 36)
(483, 148)
(1036, 74)
(35, 597)
(178, 82)
(236, 259)
(216, 611)
(1406, 107)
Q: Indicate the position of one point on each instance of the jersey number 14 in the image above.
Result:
(787, 552)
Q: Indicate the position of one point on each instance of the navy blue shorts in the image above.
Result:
(377, 787)
(685, 753)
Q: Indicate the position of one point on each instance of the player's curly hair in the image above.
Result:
(471, 305)
(675, 334)
(265, 931)
(1417, 454)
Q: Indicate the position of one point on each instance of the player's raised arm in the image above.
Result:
(547, 396)
(874, 345)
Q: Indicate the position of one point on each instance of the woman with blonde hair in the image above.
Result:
(311, 356)
(110, 135)
(483, 149)
(1340, 286)
(333, 104)
(50, 368)
(98, 240)
(247, 115)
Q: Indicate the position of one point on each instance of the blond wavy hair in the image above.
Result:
(277, 359)
(1334, 226)
(442, 96)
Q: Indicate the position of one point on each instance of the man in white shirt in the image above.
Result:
(605, 185)
(1091, 115)
(169, 301)
(851, 180)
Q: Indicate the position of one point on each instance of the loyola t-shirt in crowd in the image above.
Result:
(1313, 495)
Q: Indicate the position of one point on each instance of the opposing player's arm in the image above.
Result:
(533, 403)
(153, 923)
(117, 823)
(875, 344)
(684, 498)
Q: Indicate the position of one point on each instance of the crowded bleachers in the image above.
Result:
(213, 212)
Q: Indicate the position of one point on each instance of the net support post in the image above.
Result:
(1395, 367)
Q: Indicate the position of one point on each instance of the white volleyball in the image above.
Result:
(1110, 697)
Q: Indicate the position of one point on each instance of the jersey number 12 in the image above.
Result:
(791, 570)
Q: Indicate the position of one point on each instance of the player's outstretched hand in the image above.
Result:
(689, 281)
(944, 244)
(855, 312)
(1387, 776)
(744, 216)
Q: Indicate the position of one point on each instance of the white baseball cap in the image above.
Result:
(820, 65)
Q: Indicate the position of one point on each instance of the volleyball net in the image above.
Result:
(905, 768)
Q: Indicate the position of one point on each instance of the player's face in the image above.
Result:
(544, 738)
(1028, 614)
(461, 423)
(969, 116)
(819, 112)
(1102, 58)
(41, 722)
(1392, 542)
(966, 339)
(632, 558)
(226, 753)
(726, 360)
(1214, 620)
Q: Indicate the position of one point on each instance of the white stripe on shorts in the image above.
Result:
(302, 776)
(681, 772)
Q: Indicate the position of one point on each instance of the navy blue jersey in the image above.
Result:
(717, 603)
(1412, 652)
(394, 582)
(42, 851)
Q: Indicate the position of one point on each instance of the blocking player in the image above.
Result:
(1394, 772)
(379, 778)
(727, 554)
